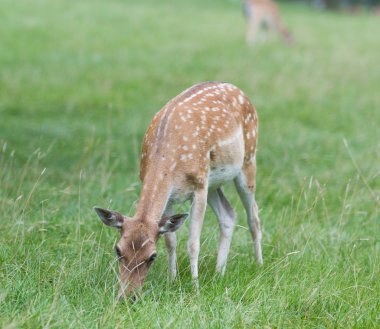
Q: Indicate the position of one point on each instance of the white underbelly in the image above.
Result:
(223, 174)
(228, 160)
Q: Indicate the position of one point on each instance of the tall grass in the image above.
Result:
(79, 83)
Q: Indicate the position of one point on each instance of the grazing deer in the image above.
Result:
(264, 14)
(202, 138)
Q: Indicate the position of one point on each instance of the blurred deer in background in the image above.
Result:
(264, 15)
(199, 140)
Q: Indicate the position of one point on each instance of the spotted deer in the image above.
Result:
(264, 14)
(204, 137)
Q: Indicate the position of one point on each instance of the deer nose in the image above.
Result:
(133, 299)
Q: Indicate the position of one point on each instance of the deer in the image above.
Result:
(261, 14)
(201, 139)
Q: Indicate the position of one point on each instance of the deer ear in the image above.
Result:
(110, 217)
(171, 223)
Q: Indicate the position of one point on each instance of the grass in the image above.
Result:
(79, 83)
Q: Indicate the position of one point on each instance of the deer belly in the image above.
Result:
(219, 175)
(226, 160)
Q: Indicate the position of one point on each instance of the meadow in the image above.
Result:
(79, 83)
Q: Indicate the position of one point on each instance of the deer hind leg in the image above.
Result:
(171, 246)
(198, 210)
(253, 29)
(226, 218)
(245, 184)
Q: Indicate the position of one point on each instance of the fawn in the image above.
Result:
(202, 138)
(262, 14)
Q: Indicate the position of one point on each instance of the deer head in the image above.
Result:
(136, 250)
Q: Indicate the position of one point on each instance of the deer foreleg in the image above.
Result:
(196, 221)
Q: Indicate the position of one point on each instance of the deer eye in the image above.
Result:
(118, 252)
(152, 258)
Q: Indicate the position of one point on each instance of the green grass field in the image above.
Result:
(79, 83)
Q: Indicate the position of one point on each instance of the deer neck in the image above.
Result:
(154, 196)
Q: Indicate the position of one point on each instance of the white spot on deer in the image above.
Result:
(183, 157)
(195, 133)
(185, 147)
(248, 135)
(172, 167)
(189, 98)
(194, 147)
(185, 138)
(241, 99)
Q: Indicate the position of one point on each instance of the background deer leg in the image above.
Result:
(253, 30)
(226, 217)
